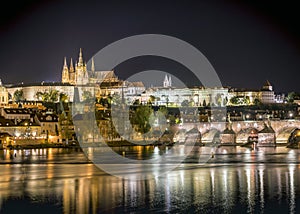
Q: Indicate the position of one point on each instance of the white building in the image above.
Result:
(198, 96)
(248, 96)
(3, 95)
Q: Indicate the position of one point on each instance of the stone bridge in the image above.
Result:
(243, 129)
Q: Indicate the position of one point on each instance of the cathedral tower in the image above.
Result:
(81, 75)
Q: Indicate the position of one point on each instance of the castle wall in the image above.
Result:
(29, 92)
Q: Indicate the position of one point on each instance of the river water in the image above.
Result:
(236, 180)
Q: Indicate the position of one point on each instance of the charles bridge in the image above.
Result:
(283, 129)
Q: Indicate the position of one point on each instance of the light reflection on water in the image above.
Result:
(63, 181)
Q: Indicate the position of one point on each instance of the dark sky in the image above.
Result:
(247, 42)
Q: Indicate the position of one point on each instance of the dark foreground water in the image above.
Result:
(236, 180)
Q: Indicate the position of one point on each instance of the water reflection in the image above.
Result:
(80, 187)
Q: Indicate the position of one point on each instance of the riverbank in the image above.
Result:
(124, 143)
(39, 146)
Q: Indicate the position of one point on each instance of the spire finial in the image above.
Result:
(71, 66)
(65, 62)
(80, 60)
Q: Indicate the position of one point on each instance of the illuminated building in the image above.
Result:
(49, 125)
(197, 96)
(250, 96)
(99, 83)
(3, 95)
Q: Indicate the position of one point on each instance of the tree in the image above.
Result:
(204, 103)
(257, 102)
(177, 120)
(63, 97)
(50, 97)
(9, 96)
(45, 97)
(19, 95)
(136, 102)
(235, 100)
(141, 118)
(53, 96)
(290, 97)
(246, 100)
(39, 95)
(151, 99)
(103, 101)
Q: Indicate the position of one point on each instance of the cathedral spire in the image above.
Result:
(80, 60)
(71, 66)
(65, 63)
(72, 73)
(166, 82)
(93, 65)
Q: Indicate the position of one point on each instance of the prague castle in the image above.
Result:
(104, 83)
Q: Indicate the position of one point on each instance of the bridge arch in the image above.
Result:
(294, 138)
(211, 136)
(244, 135)
(286, 134)
(193, 136)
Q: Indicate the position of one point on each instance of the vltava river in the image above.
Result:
(236, 180)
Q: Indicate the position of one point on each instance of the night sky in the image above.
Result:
(247, 42)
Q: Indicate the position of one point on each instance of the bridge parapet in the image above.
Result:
(237, 126)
